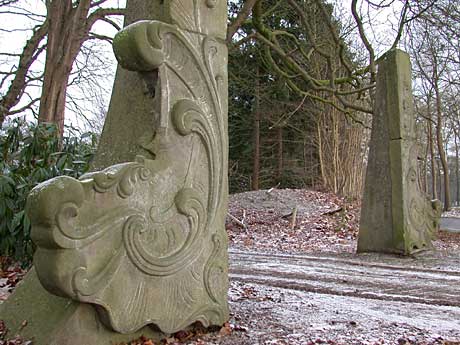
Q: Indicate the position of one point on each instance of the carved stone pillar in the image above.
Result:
(396, 216)
(142, 242)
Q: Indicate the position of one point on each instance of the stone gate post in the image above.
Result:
(138, 245)
(396, 215)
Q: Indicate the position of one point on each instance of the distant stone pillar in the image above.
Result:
(396, 216)
(140, 246)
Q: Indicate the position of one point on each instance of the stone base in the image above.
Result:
(34, 314)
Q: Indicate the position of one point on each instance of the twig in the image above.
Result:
(294, 218)
(331, 212)
(273, 188)
(236, 220)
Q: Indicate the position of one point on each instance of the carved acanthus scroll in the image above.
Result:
(144, 241)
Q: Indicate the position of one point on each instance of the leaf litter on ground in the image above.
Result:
(11, 273)
(323, 221)
(278, 221)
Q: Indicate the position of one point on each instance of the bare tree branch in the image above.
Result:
(243, 14)
(29, 55)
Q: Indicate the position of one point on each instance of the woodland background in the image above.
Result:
(301, 92)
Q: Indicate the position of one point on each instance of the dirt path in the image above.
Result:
(343, 299)
(296, 280)
(361, 276)
(451, 224)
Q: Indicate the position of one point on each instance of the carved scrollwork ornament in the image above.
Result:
(145, 241)
(211, 3)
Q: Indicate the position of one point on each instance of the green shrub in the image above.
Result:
(31, 154)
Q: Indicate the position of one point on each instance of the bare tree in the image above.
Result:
(65, 33)
(7, 2)
(433, 42)
(20, 77)
(70, 26)
(241, 16)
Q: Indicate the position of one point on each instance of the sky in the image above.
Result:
(379, 24)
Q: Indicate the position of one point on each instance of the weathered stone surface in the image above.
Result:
(143, 243)
(396, 216)
(122, 140)
(50, 320)
(208, 17)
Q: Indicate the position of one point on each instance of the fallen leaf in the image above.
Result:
(226, 329)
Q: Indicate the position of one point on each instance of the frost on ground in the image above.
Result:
(263, 315)
(315, 223)
(323, 221)
(454, 212)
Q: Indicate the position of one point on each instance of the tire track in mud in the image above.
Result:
(354, 277)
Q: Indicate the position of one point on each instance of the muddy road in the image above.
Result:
(343, 299)
(361, 276)
(451, 224)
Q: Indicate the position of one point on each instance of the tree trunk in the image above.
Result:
(321, 152)
(442, 152)
(279, 171)
(432, 160)
(457, 180)
(67, 32)
(29, 54)
(256, 137)
(424, 168)
(439, 186)
(335, 149)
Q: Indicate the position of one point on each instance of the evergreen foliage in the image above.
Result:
(32, 154)
(287, 119)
